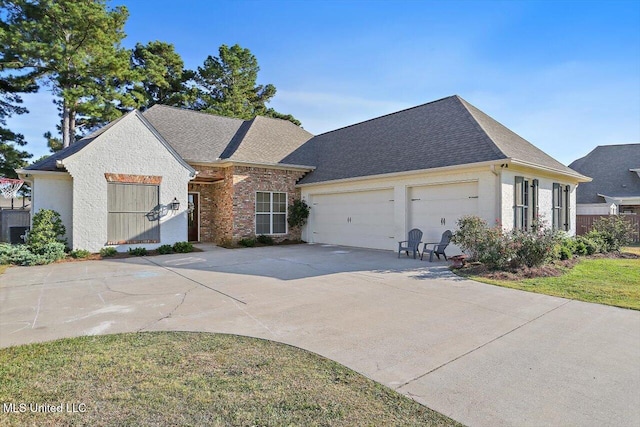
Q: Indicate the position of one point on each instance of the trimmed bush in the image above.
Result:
(80, 253)
(183, 247)
(265, 240)
(165, 249)
(138, 251)
(247, 242)
(533, 248)
(47, 228)
(581, 248)
(108, 252)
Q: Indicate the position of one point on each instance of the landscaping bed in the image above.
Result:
(181, 378)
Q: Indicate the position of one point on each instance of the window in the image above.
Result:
(271, 213)
(561, 207)
(132, 213)
(525, 203)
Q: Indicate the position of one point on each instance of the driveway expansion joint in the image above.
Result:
(481, 345)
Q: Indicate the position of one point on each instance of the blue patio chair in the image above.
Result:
(413, 244)
(438, 247)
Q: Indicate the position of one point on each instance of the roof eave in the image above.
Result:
(577, 176)
(477, 165)
(226, 163)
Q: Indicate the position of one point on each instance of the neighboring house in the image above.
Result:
(615, 188)
(367, 184)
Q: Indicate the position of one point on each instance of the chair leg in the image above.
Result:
(431, 257)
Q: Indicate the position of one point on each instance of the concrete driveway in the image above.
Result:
(480, 354)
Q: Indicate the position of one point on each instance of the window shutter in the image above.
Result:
(535, 199)
(555, 209)
(567, 208)
(518, 203)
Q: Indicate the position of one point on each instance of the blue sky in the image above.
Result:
(563, 75)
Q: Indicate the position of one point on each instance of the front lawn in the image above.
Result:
(611, 281)
(185, 378)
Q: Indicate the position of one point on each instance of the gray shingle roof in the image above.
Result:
(196, 136)
(447, 132)
(609, 166)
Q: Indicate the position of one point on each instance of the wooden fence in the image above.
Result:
(585, 222)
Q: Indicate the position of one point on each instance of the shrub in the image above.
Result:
(22, 255)
(581, 248)
(265, 240)
(470, 235)
(533, 248)
(565, 253)
(138, 251)
(51, 252)
(590, 245)
(165, 249)
(298, 213)
(108, 252)
(183, 247)
(612, 232)
(247, 242)
(17, 255)
(80, 253)
(47, 228)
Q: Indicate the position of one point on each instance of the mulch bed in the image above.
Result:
(556, 268)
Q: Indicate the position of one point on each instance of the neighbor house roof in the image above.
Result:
(203, 138)
(612, 169)
(447, 132)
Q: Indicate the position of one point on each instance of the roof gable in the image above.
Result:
(51, 162)
(610, 167)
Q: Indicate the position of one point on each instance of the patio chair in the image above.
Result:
(413, 244)
(438, 247)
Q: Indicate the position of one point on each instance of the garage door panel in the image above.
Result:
(363, 219)
(436, 208)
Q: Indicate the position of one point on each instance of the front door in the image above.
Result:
(194, 217)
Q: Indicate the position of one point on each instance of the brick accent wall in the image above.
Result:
(227, 208)
(248, 180)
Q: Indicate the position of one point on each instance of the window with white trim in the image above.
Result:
(525, 203)
(271, 213)
(561, 207)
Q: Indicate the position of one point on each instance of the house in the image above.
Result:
(615, 170)
(367, 184)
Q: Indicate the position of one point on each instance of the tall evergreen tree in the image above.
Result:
(227, 86)
(11, 157)
(161, 75)
(73, 47)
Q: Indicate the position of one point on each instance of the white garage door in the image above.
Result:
(436, 208)
(363, 219)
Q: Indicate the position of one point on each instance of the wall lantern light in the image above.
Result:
(175, 205)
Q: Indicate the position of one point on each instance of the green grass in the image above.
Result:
(185, 378)
(608, 281)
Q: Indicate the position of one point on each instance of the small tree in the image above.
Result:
(47, 228)
(298, 213)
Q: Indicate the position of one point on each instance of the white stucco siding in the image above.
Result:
(545, 194)
(481, 180)
(128, 147)
(54, 191)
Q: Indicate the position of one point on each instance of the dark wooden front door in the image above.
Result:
(194, 217)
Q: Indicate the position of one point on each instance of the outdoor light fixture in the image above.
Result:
(175, 205)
